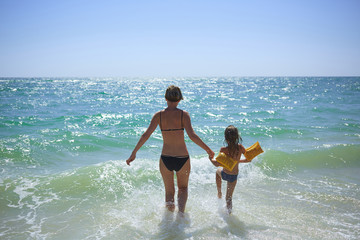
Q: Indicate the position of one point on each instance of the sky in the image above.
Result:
(185, 38)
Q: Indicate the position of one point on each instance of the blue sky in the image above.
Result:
(179, 38)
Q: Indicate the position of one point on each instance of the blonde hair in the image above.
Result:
(173, 94)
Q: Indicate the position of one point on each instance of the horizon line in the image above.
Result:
(189, 76)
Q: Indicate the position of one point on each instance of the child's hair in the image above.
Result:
(232, 139)
(173, 94)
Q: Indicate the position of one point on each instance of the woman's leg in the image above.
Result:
(168, 178)
(229, 193)
(183, 181)
(218, 182)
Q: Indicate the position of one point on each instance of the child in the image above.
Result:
(233, 150)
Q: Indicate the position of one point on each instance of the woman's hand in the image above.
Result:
(131, 158)
(211, 157)
(211, 154)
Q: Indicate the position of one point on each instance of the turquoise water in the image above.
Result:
(64, 142)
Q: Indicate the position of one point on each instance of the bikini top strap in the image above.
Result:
(182, 124)
(160, 122)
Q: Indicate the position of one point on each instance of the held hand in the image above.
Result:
(131, 158)
(211, 154)
(215, 163)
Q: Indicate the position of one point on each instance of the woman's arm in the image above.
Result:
(194, 137)
(153, 124)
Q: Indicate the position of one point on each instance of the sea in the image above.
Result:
(64, 143)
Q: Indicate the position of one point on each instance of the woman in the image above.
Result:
(174, 155)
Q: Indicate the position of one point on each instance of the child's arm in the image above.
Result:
(244, 160)
(243, 150)
(215, 163)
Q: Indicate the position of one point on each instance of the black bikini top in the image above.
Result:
(173, 129)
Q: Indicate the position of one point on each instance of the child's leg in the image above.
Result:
(229, 193)
(218, 182)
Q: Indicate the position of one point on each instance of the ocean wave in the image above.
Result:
(341, 156)
(106, 181)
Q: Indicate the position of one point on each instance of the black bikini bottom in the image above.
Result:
(174, 163)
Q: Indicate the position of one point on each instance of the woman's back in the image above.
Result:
(172, 127)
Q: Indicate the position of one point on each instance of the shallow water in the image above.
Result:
(64, 143)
